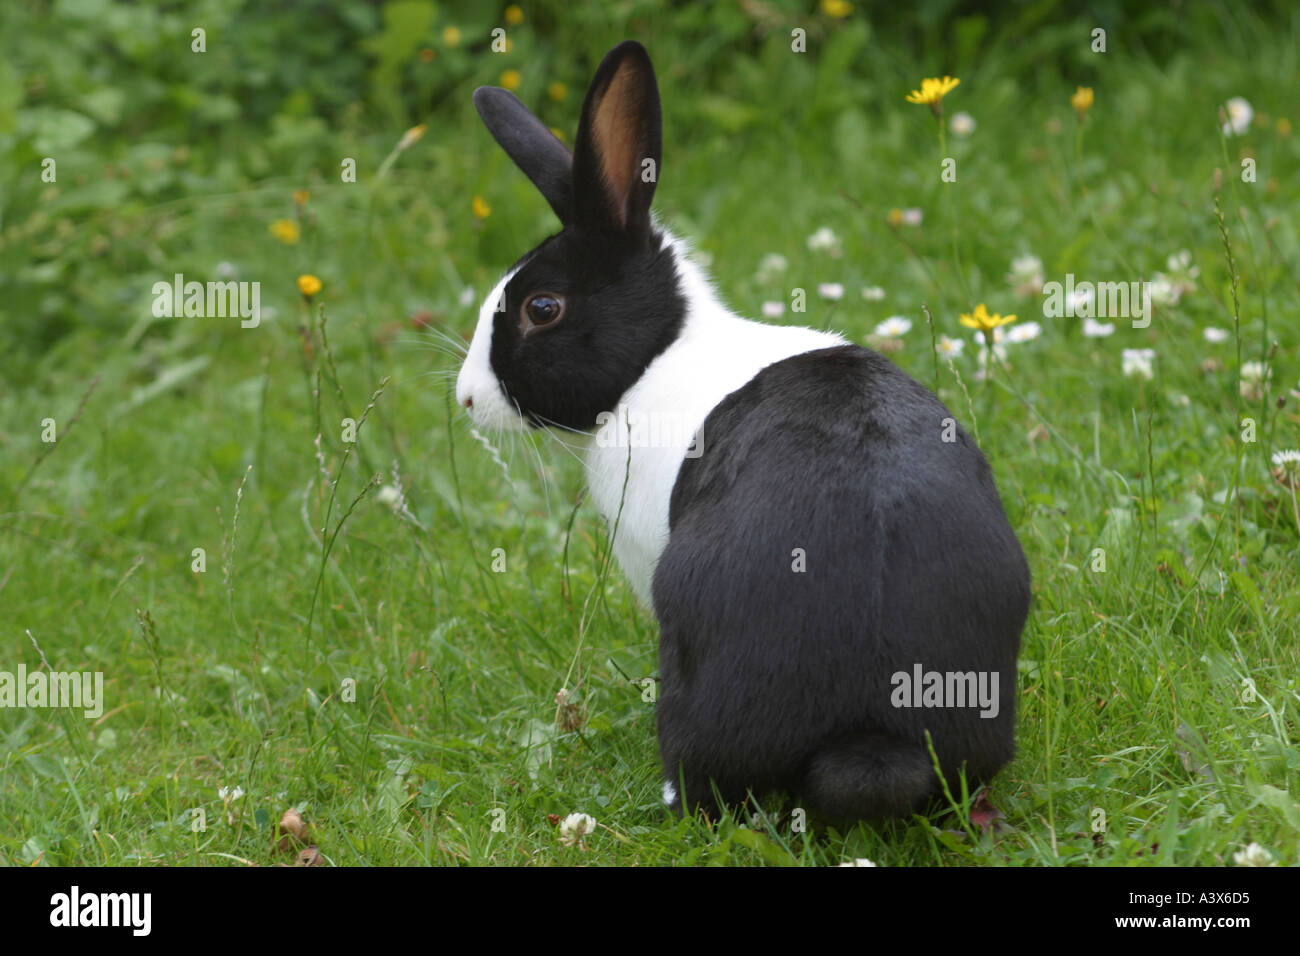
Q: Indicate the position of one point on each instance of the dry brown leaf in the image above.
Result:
(310, 856)
(291, 831)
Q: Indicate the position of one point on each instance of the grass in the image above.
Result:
(392, 672)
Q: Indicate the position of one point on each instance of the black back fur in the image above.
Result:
(775, 679)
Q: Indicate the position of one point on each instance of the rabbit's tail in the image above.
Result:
(868, 776)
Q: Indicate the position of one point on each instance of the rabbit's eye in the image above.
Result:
(541, 309)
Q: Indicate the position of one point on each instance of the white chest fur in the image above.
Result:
(633, 463)
(631, 477)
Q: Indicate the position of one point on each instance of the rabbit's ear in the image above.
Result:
(533, 147)
(619, 146)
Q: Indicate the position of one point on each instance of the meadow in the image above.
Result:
(308, 582)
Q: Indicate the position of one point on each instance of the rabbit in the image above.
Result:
(811, 526)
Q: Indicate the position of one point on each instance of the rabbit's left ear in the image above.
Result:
(533, 147)
(619, 146)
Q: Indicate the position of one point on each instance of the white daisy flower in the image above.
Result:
(1255, 377)
(1093, 329)
(1026, 275)
(226, 270)
(894, 326)
(912, 217)
(860, 861)
(1024, 332)
(1182, 274)
(1288, 460)
(1216, 336)
(1025, 265)
(389, 496)
(1137, 362)
(1287, 470)
(229, 796)
(576, 826)
(771, 266)
(1240, 113)
(1253, 855)
(950, 348)
(466, 296)
(962, 125)
(1162, 290)
(872, 293)
(773, 310)
(831, 290)
(1182, 262)
(824, 240)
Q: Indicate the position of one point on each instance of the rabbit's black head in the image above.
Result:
(577, 320)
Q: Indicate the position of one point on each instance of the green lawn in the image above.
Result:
(378, 664)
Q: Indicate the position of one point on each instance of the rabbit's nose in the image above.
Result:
(464, 392)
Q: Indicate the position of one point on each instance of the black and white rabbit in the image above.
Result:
(831, 529)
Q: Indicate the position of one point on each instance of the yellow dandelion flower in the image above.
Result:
(839, 9)
(300, 197)
(286, 230)
(308, 285)
(451, 36)
(932, 92)
(1283, 126)
(557, 91)
(411, 137)
(895, 217)
(511, 79)
(1082, 100)
(514, 16)
(986, 323)
(481, 209)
